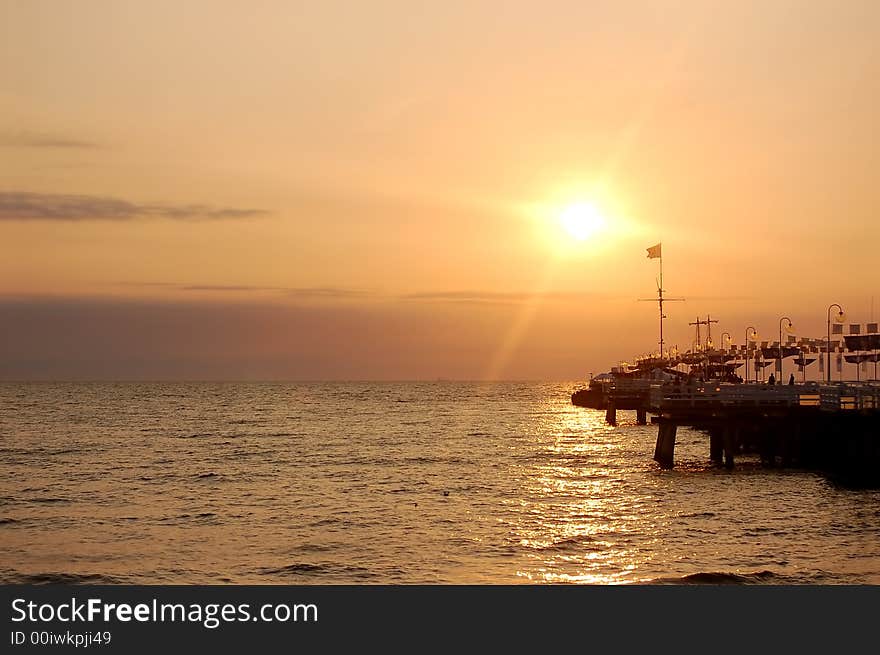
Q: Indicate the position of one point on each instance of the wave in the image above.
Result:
(182, 519)
(295, 568)
(722, 578)
(15, 577)
(238, 435)
(570, 543)
(64, 451)
(327, 570)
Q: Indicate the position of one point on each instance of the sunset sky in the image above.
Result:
(373, 190)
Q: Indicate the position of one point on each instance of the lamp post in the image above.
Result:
(725, 343)
(707, 357)
(754, 336)
(840, 318)
(787, 329)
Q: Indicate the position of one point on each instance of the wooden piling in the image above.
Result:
(664, 452)
(767, 444)
(611, 414)
(716, 446)
(641, 417)
(729, 441)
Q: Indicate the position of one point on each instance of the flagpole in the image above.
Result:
(656, 252)
(660, 301)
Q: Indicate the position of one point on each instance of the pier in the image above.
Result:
(830, 427)
(826, 425)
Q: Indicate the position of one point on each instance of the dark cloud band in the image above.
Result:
(42, 140)
(24, 206)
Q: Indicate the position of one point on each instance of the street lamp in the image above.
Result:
(840, 318)
(707, 357)
(725, 344)
(789, 329)
(754, 336)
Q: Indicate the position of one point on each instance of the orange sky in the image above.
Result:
(372, 190)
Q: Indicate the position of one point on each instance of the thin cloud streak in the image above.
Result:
(299, 292)
(26, 139)
(221, 287)
(25, 206)
(304, 292)
(342, 293)
(490, 297)
(327, 292)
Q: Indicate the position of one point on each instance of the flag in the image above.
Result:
(654, 252)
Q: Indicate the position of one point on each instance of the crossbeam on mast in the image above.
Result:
(660, 299)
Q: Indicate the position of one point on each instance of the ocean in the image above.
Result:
(395, 483)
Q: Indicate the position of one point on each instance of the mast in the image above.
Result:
(656, 252)
(698, 323)
(660, 303)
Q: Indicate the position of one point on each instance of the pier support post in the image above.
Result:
(716, 446)
(664, 452)
(791, 440)
(641, 417)
(767, 447)
(611, 414)
(729, 445)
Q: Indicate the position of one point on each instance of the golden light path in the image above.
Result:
(572, 519)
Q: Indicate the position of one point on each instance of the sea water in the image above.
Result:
(371, 483)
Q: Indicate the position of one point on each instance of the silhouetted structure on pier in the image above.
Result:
(830, 427)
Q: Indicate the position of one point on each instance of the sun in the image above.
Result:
(581, 220)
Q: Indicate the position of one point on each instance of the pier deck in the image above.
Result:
(710, 399)
(833, 427)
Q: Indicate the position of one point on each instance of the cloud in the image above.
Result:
(83, 338)
(715, 298)
(24, 206)
(326, 292)
(44, 140)
(329, 293)
(490, 297)
(222, 287)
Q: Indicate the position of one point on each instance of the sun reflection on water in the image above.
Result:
(575, 513)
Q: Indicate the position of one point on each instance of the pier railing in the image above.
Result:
(835, 397)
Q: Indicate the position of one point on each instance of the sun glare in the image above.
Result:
(581, 220)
